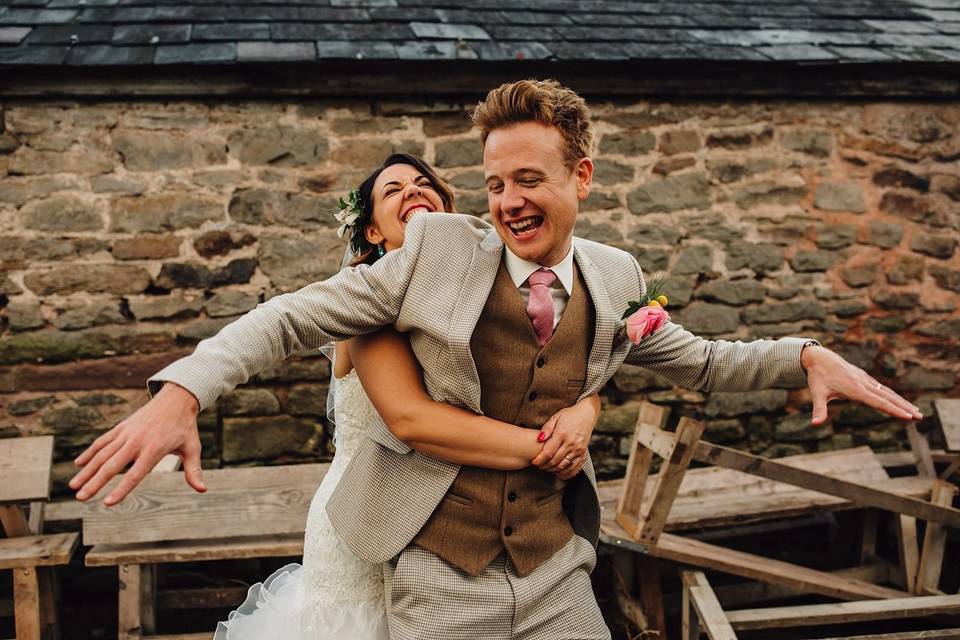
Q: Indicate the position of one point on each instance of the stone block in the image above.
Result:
(263, 438)
(70, 419)
(789, 191)
(93, 278)
(167, 150)
(926, 379)
(886, 324)
(947, 184)
(630, 379)
(942, 329)
(679, 141)
(860, 275)
(600, 232)
(99, 400)
(202, 329)
(618, 419)
(672, 193)
(848, 308)
(726, 171)
(835, 236)
(761, 258)
(797, 428)
(792, 311)
(91, 161)
(458, 153)
(608, 172)
(220, 243)
(228, 302)
(733, 292)
(446, 124)
(628, 143)
(690, 260)
(913, 208)
(62, 213)
(893, 176)
(281, 146)
(162, 212)
(23, 315)
(596, 201)
(30, 406)
(19, 190)
(740, 138)
(651, 258)
(907, 268)
(191, 275)
(266, 207)
(937, 245)
(724, 431)
(667, 166)
(292, 262)
(471, 179)
(90, 315)
(810, 141)
(745, 403)
(945, 278)
(806, 261)
(296, 370)
(883, 234)
(710, 319)
(307, 399)
(249, 402)
(146, 247)
(365, 153)
(840, 196)
(165, 307)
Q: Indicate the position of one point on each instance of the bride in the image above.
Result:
(334, 595)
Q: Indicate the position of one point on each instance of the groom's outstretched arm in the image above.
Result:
(720, 365)
(353, 302)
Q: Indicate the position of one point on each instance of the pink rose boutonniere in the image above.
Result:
(646, 315)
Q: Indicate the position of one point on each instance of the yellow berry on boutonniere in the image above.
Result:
(646, 315)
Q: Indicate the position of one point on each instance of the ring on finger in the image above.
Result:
(879, 386)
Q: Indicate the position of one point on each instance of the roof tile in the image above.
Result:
(101, 55)
(13, 35)
(796, 53)
(151, 33)
(31, 17)
(353, 50)
(71, 34)
(275, 51)
(448, 31)
(41, 55)
(230, 31)
(213, 53)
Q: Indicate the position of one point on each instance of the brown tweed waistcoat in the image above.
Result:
(486, 511)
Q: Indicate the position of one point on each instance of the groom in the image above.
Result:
(469, 552)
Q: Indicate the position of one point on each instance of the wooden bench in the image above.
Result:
(25, 481)
(948, 413)
(702, 613)
(639, 510)
(246, 513)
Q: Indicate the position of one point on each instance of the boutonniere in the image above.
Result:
(646, 315)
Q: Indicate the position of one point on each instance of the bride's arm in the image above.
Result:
(393, 382)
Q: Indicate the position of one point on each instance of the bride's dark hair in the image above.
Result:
(368, 252)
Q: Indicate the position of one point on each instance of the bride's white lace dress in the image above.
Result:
(334, 595)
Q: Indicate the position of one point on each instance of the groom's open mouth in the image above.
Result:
(525, 228)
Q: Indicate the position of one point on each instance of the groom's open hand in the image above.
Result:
(830, 377)
(167, 424)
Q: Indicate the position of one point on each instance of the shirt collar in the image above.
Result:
(520, 269)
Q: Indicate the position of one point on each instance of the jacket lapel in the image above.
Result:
(480, 276)
(605, 325)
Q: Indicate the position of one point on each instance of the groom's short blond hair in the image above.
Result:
(544, 101)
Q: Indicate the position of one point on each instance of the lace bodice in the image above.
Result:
(354, 412)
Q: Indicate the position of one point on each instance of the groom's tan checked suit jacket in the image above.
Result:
(435, 287)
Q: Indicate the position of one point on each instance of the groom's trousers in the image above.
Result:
(429, 599)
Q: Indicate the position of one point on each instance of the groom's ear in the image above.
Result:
(583, 171)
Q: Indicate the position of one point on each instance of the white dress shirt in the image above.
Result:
(520, 269)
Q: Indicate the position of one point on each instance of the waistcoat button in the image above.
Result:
(540, 363)
(512, 497)
(508, 531)
(532, 396)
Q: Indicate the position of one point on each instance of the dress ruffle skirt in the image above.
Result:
(277, 609)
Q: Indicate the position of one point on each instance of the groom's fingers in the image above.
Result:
(546, 454)
(80, 480)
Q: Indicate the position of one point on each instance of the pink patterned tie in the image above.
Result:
(540, 306)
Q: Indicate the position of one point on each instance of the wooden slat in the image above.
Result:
(844, 612)
(14, 521)
(638, 467)
(948, 410)
(206, 598)
(710, 615)
(738, 563)
(129, 596)
(921, 451)
(25, 468)
(181, 636)
(653, 516)
(196, 550)
(908, 550)
(934, 634)
(256, 501)
(934, 542)
(26, 604)
(859, 494)
(37, 551)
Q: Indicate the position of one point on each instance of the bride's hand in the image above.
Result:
(566, 436)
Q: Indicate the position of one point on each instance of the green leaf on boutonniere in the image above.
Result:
(654, 289)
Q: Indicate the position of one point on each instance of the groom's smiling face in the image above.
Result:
(533, 193)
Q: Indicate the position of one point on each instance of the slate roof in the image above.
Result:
(100, 33)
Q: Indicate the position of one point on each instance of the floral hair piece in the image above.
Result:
(349, 216)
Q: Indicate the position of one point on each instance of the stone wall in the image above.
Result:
(131, 230)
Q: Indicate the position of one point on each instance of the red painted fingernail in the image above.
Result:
(542, 436)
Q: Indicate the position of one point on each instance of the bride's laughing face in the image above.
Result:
(400, 192)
